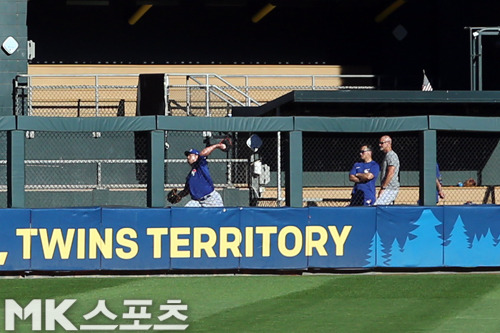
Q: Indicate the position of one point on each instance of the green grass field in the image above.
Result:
(268, 303)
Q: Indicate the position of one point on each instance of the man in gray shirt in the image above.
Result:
(389, 173)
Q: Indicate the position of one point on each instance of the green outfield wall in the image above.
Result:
(19, 148)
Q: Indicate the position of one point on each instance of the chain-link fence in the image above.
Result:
(76, 96)
(468, 164)
(328, 158)
(244, 176)
(85, 169)
(68, 169)
(65, 169)
(185, 94)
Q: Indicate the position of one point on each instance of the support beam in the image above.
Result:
(428, 158)
(294, 170)
(156, 169)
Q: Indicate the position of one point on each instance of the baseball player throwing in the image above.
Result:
(199, 183)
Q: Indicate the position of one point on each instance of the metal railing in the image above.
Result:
(190, 94)
(100, 184)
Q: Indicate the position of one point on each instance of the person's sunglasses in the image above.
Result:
(363, 151)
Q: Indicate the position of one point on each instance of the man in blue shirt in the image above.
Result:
(199, 183)
(364, 175)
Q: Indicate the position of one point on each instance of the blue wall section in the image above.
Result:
(140, 238)
(11, 246)
(278, 238)
(200, 243)
(94, 239)
(409, 237)
(471, 236)
(350, 237)
(66, 239)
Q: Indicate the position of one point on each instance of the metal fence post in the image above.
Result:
(15, 169)
(278, 169)
(207, 97)
(97, 113)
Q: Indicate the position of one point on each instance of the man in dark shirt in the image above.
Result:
(364, 175)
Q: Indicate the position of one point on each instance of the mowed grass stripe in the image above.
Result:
(29, 288)
(368, 303)
(205, 296)
(309, 303)
(480, 316)
(86, 290)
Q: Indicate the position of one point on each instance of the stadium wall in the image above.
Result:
(173, 239)
(17, 146)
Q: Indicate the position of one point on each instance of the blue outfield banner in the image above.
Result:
(64, 239)
(15, 253)
(205, 238)
(471, 236)
(274, 238)
(409, 237)
(341, 237)
(136, 239)
(169, 239)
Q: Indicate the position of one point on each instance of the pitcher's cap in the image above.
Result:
(191, 151)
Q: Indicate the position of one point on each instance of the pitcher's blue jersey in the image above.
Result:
(199, 181)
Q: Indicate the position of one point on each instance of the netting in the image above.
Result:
(328, 158)
(464, 156)
(85, 169)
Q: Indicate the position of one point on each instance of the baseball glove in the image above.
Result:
(228, 142)
(173, 197)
